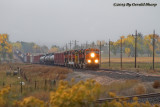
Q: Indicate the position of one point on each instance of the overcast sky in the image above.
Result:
(57, 22)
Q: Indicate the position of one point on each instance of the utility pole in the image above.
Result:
(75, 43)
(153, 46)
(81, 46)
(70, 43)
(66, 47)
(121, 52)
(136, 50)
(100, 53)
(86, 44)
(109, 53)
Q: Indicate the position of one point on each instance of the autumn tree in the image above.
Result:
(54, 48)
(102, 42)
(17, 45)
(5, 47)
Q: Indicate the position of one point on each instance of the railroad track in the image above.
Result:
(117, 74)
(153, 98)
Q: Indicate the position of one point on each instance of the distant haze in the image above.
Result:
(49, 22)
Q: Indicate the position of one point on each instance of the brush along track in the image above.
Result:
(153, 98)
(116, 74)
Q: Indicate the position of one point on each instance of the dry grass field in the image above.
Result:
(40, 79)
(131, 59)
(39, 84)
(41, 72)
(128, 63)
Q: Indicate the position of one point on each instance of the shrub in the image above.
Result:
(3, 96)
(80, 94)
(156, 84)
(140, 89)
(29, 102)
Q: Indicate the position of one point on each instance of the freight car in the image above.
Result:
(47, 59)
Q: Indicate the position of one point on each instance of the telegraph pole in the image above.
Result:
(100, 53)
(70, 44)
(109, 53)
(121, 52)
(153, 46)
(66, 47)
(136, 50)
(86, 44)
(75, 42)
(81, 46)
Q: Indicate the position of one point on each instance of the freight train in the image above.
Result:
(83, 58)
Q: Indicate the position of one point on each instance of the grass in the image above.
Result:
(42, 91)
(140, 89)
(125, 65)
(40, 72)
(143, 64)
(128, 88)
(43, 75)
(131, 59)
(121, 87)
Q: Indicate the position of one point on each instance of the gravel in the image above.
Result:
(115, 74)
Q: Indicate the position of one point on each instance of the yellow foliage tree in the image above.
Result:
(17, 45)
(5, 46)
(53, 49)
(127, 51)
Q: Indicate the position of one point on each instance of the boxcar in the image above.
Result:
(36, 59)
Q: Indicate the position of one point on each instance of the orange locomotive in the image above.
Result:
(84, 58)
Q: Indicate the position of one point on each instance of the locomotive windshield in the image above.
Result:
(87, 52)
(97, 52)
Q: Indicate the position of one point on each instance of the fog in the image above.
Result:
(49, 22)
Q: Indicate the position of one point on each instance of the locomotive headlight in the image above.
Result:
(96, 61)
(89, 61)
(92, 55)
